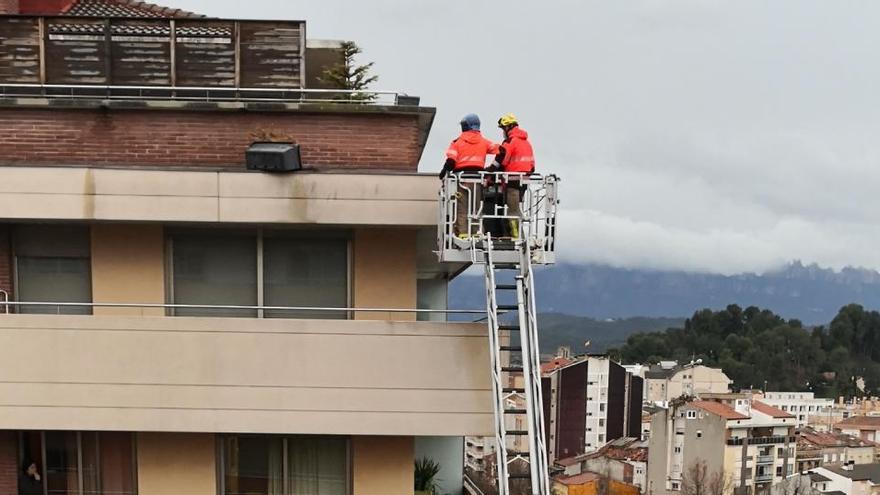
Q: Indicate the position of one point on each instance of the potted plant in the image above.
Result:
(426, 471)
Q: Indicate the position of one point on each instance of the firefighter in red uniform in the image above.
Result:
(515, 157)
(468, 153)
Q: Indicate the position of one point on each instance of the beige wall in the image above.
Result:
(176, 463)
(384, 272)
(128, 267)
(85, 194)
(382, 465)
(244, 375)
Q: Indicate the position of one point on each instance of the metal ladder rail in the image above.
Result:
(495, 360)
(539, 466)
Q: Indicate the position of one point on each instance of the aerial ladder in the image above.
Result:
(520, 438)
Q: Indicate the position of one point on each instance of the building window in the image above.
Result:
(678, 450)
(52, 264)
(785, 408)
(601, 422)
(601, 438)
(223, 268)
(675, 485)
(601, 407)
(305, 272)
(699, 433)
(691, 414)
(92, 463)
(284, 465)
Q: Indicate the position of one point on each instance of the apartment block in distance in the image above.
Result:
(800, 404)
(158, 324)
(588, 402)
(749, 443)
(668, 380)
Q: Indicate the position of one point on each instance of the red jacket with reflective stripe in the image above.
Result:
(469, 151)
(518, 156)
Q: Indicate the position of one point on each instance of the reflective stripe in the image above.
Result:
(523, 159)
(451, 153)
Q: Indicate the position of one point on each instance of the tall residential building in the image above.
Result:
(179, 324)
(800, 404)
(668, 380)
(588, 402)
(749, 443)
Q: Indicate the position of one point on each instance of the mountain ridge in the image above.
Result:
(810, 293)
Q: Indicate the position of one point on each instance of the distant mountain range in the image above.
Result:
(808, 292)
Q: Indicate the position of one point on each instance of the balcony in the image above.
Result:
(764, 459)
(763, 478)
(195, 374)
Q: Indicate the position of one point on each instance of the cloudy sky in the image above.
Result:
(690, 134)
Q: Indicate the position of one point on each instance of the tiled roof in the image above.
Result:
(809, 437)
(577, 479)
(125, 8)
(718, 409)
(554, 364)
(770, 410)
(818, 478)
(869, 422)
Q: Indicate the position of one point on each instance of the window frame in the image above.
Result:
(44, 472)
(16, 271)
(260, 235)
(220, 454)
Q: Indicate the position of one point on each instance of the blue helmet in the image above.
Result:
(470, 122)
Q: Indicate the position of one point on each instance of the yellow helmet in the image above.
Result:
(507, 119)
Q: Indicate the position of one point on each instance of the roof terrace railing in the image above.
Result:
(206, 94)
(154, 52)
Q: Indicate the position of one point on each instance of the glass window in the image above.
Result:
(305, 272)
(214, 269)
(279, 465)
(253, 465)
(62, 474)
(102, 461)
(53, 265)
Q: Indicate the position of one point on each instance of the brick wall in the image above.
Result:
(8, 463)
(203, 138)
(8, 6)
(5, 262)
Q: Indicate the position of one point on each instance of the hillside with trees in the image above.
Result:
(760, 349)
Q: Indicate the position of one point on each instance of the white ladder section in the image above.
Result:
(522, 466)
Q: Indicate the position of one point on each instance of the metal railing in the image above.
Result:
(470, 486)
(763, 477)
(484, 196)
(764, 459)
(207, 94)
(5, 296)
(228, 307)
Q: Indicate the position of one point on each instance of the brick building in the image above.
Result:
(171, 343)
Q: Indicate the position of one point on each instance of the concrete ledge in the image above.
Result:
(87, 194)
(244, 375)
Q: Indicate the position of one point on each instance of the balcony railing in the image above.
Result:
(763, 478)
(764, 459)
(226, 307)
(483, 195)
(762, 440)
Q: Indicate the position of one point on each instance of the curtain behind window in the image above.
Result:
(305, 272)
(317, 465)
(53, 265)
(215, 269)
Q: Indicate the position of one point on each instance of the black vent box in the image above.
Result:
(273, 157)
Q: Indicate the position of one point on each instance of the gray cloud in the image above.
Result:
(695, 134)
